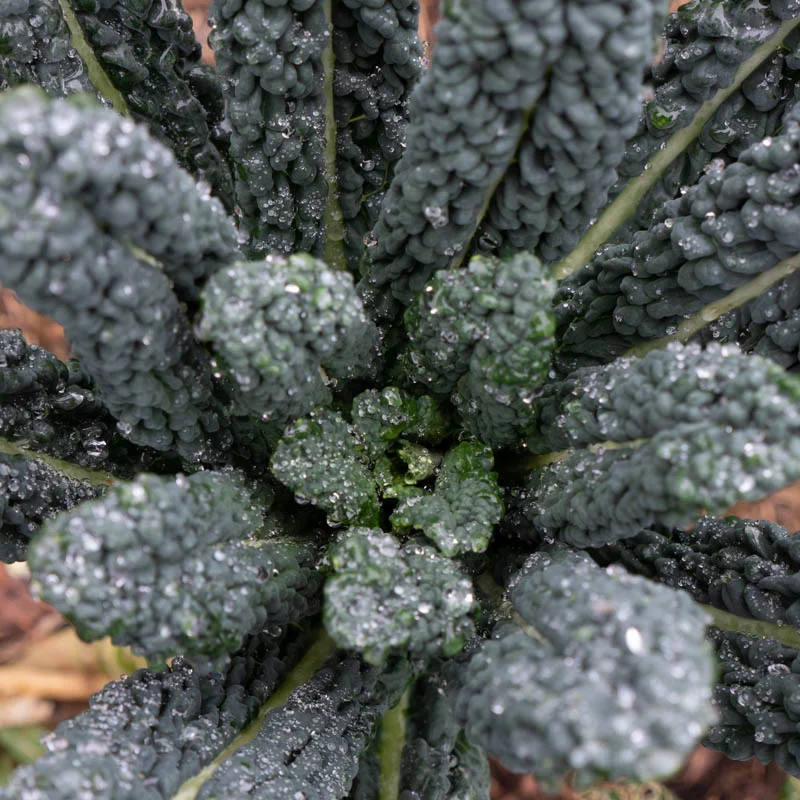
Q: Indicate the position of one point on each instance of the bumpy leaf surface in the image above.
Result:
(318, 458)
(31, 491)
(657, 439)
(748, 567)
(275, 323)
(170, 567)
(757, 694)
(311, 746)
(78, 186)
(143, 736)
(578, 684)
(486, 335)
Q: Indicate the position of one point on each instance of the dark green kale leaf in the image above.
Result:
(747, 567)
(384, 595)
(735, 224)
(274, 323)
(36, 47)
(32, 491)
(438, 763)
(52, 407)
(310, 747)
(758, 695)
(319, 459)
(580, 683)
(381, 417)
(147, 734)
(486, 335)
(85, 192)
(186, 566)
(377, 61)
(657, 439)
(519, 123)
(706, 45)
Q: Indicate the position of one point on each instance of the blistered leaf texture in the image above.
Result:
(738, 221)
(310, 747)
(461, 512)
(274, 323)
(471, 116)
(269, 57)
(438, 763)
(37, 48)
(78, 186)
(381, 417)
(143, 736)
(377, 62)
(745, 566)
(150, 54)
(319, 459)
(657, 439)
(757, 695)
(608, 676)
(168, 567)
(705, 44)
(485, 334)
(31, 492)
(52, 407)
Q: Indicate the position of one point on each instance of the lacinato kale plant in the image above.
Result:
(407, 400)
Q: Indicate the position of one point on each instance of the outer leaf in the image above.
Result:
(471, 117)
(76, 184)
(269, 56)
(31, 491)
(52, 407)
(172, 567)
(748, 567)
(438, 763)
(40, 53)
(311, 746)
(142, 57)
(658, 439)
(149, 52)
(736, 223)
(377, 61)
(705, 46)
(758, 693)
(611, 678)
(143, 736)
(384, 596)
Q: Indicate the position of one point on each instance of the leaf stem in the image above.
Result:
(97, 75)
(629, 198)
(333, 251)
(458, 259)
(321, 648)
(392, 740)
(738, 297)
(91, 476)
(530, 462)
(724, 620)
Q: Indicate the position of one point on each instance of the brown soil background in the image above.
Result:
(47, 675)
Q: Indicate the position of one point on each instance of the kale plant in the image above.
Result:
(403, 398)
